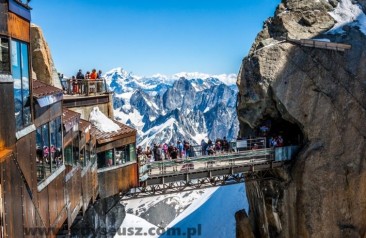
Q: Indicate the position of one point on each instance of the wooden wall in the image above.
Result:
(3, 17)
(121, 179)
(18, 27)
(88, 187)
(7, 133)
(129, 139)
(74, 194)
(46, 207)
(95, 182)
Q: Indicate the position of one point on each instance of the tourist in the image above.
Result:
(218, 145)
(273, 142)
(225, 145)
(203, 147)
(148, 153)
(80, 75)
(75, 86)
(139, 151)
(210, 148)
(174, 153)
(264, 130)
(280, 142)
(94, 74)
(180, 149)
(186, 148)
(158, 153)
(99, 75)
(165, 150)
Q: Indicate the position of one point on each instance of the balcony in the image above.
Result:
(84, 87)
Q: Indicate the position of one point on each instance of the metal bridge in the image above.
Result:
(244, 162)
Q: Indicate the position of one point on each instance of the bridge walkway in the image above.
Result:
(169, 176)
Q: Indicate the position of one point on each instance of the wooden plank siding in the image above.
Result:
(26, 158)
(4, 18)
(74, 194)
(117, 180)
(95, 182)
(77, 102)
(87, 188)
(7, 133)
(18, 27)
(129, 139)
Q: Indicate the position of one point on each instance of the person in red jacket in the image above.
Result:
(94, 74)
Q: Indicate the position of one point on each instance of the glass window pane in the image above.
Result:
(41, 174)
(46, 149)
(82, 157)
(87, 153)
(25, 84)
(16, 72)
(58, 153)
(4, 56)
(105, 159)
(53, 138)
(132, 151)
(93, 155)
(68, 154)
(76, 151)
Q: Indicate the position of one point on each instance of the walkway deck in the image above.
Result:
(206, 166)
(198, 172)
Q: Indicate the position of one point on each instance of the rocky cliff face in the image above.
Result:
(321, 94)
(42, 62)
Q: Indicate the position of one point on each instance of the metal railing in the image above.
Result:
(205, 162)
(241, 152)
(84, 86)
(286, 153)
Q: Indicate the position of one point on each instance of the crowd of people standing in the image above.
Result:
(183, 149)
(79, 85)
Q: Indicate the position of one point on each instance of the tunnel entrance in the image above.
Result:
(290, 133)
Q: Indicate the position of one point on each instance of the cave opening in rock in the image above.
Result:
(275, 127)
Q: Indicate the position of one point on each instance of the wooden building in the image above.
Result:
(51, 157)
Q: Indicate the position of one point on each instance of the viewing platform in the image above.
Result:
(81, 95)
(84, 87)
(244, 161)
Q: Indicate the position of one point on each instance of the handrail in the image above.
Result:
(84, 86)
(204, 162)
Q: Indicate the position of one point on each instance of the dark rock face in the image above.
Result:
(323, 193)
(103, 219)
(243, 227)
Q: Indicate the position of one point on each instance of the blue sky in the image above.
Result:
(148, 37)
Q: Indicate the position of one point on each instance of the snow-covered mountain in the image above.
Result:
(184, 106)
(211, 208)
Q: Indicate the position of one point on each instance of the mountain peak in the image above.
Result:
(228, 79)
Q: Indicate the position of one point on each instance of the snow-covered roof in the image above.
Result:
(101, 121)
(108, 130)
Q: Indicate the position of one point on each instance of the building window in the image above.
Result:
(20, 72)
(117, 156)
(4, 56)
(49, 148)
(72, 150)
(92, 152)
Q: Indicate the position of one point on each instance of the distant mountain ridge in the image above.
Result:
(190, 106)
